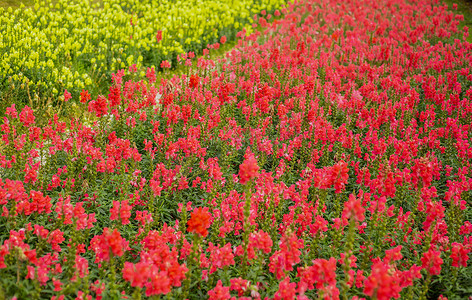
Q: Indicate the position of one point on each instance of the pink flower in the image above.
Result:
(55, 238)
(67, 96)
(459, 255)
(220, 257)
(165, 64)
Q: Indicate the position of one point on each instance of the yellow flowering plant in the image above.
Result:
(72, 44)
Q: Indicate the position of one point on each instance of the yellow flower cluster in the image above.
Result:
(71, 44)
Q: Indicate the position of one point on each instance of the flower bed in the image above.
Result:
(326, 157)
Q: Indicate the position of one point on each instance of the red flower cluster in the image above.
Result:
(200, 221)
(353, 210)
(194, 81)
(158, 271)
(121, 210)
(107, 244)
(249, 168)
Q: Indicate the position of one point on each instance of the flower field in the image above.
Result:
(326, 156)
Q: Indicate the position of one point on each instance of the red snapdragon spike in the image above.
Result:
(240, 285)
(158, 262)
(67, 96)
(289, 255)
(137, 274)
(107, 244)
(393, 254)
(194, 81)
(460, 255)
(165, 64)
(220, 257)
(223, 39)
(383, 281)
(115, 210)
(57, 285)
(55, 238)
(432, 261)
(286, 289)
(260, 240)
(144, 217)
(151, 75)
(322, 275)
(114, 96)
(249, 168)
(99, 106)
(353, 210)
(40, 203)
(220, 292)
(81, 266)
(27, 116)
(200, 221)
(121, 210)
(40, 231)
(159, 36)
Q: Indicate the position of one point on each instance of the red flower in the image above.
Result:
(27, 116)
(459, 255)
(353, 209)
(260, 240)
(55, 238)
(249, 168)
(286, 289)
(240, 285)
(322, 275)
(40, 203)
(381, 283)
(121, 210)
(137, 274)
(67, 96)
(99, 106)
(194, 81)
(220, 257)
(223, 39)
(151, 75)
(165, 64)
(114, 97)
(11, 111)
(110, 242)
(432, 261)
(159, 36)
(219, 292)
(339, 176)
(199, 221)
